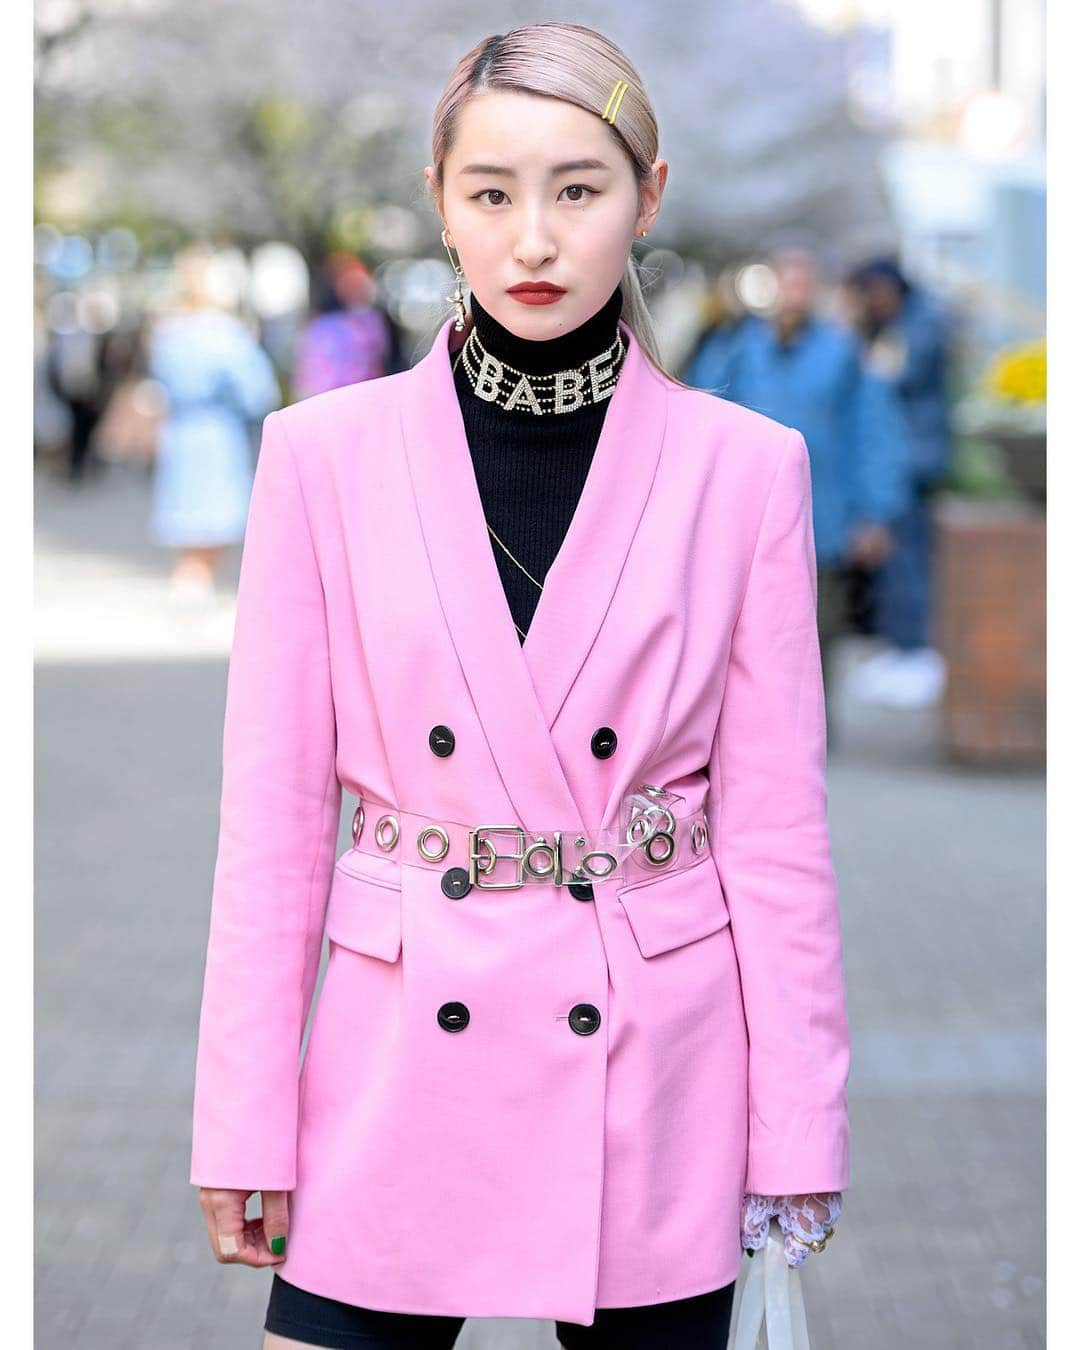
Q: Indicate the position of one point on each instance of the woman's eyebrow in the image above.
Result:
(570, 166)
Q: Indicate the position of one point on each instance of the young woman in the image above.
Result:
(549, 614)
(218, 381)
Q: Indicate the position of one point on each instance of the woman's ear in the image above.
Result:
(651, 194)
(429, 175)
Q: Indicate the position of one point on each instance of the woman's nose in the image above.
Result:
(535, 245)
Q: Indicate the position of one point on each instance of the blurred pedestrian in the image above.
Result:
(218, 380)
(804, 369)
(129, 428)
(350, 338)
(707, 367)
(906, 335)
(52, 419)
(74, 377)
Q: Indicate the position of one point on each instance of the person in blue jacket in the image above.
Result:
(706, 366)
(805, 370)
(907, 336)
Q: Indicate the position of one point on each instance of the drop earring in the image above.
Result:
(457, 299)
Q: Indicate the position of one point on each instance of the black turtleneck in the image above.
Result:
(531, 470)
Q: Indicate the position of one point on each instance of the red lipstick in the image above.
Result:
(536, 292)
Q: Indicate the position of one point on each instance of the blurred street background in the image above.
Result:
(230, 214)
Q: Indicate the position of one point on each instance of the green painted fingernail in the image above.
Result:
(277, 1246)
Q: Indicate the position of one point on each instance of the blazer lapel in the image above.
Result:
(581, 581)
(519, 689)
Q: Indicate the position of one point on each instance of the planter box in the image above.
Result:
(991, 622)
(1023, 457)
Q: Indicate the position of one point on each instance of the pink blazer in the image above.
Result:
(522, 1102)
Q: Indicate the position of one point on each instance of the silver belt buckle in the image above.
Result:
(540, 861)
(476, 865)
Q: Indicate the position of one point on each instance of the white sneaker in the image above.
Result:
(867, 681)
(916, 679)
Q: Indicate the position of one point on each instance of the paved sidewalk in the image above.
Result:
(941, 1245)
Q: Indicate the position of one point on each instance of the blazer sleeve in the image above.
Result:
(769, 836)
(280, 809)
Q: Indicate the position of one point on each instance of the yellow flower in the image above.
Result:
(1019, 374)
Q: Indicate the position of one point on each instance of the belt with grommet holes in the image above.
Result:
(651, 838)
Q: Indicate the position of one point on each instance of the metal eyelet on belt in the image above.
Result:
(422, 849)
(379, 824)
(664, 838)
(532, 859)
(641, 828)
(358, 823)
(638, 830)
(586, 864)
(699, 833)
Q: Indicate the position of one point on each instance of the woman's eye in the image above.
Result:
(572, 187)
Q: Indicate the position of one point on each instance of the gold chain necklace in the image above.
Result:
(500, 543)
(487, 379)
(514, 560)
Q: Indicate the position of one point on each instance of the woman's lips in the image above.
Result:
(536, 297)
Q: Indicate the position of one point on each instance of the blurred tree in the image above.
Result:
(264, 117)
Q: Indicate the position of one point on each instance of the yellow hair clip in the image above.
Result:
(612, 110)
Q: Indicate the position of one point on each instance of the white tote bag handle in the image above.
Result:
(769, 1310)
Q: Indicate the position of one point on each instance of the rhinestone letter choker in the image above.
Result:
(562, 391)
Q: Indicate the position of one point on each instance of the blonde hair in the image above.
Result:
(580, 66)
(193, 276)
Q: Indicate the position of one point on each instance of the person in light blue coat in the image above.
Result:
(218, 381)
(805, 370)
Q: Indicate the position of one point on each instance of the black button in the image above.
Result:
(453, 1017)
(441, 740)
(584, 1018)
(455, 882)
(579, 888)
(604, 742)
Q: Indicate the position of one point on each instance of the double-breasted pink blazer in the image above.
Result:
(460, 1137)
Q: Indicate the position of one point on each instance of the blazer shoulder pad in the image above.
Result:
(343, 416)
(342, 401)
(730, 427)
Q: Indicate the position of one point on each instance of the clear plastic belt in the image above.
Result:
(650, 836)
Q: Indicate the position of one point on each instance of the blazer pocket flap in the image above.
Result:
(669, 911)
(363, 913)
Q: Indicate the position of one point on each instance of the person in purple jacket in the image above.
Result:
(349, 338)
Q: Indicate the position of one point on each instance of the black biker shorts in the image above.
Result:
(697, 1323)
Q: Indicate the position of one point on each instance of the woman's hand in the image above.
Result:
(871, 545)
(803, 1219)
(246, 1242)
